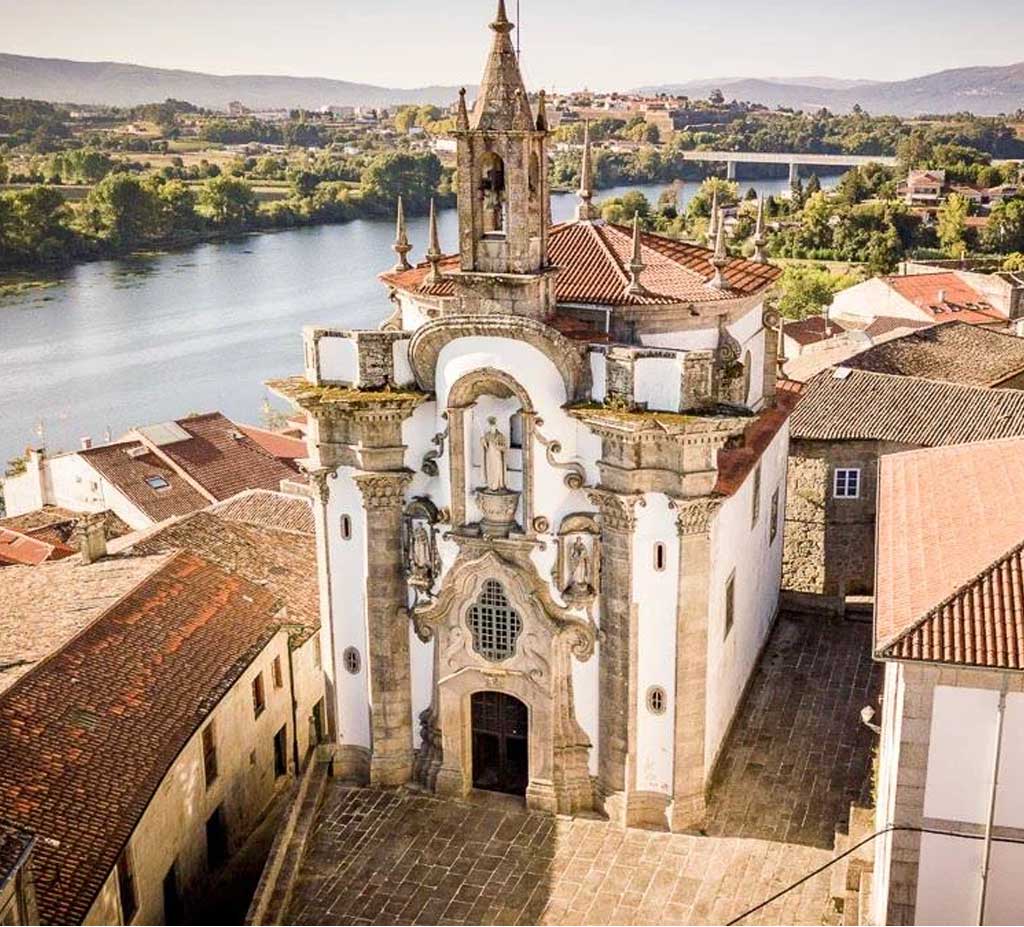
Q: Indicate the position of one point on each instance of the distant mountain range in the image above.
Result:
(982, 90)
(985, 91)
(112, 84)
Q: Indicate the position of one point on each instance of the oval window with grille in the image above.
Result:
(351, 660)
(656, 700)
(495, 624)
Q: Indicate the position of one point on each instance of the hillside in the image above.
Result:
(985, 91)
(62, 81)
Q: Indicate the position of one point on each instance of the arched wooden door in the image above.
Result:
(500, 743)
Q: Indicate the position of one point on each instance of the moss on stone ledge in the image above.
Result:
(719, 419)
(308, 395)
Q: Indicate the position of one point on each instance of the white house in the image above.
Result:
(949, 613)
(549, 495)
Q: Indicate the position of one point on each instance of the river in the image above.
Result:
(149, 338)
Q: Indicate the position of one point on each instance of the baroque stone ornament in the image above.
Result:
(419, 546)
(319, 478)
(576, 478)
(577, 569)
(429, 464)
(383, 489)
(618, 510)
(695, 515)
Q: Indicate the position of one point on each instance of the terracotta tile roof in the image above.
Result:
(43, 607)
(87, 737)
(736, 463)
(222, 459)
(946, 298)
(270, 509)
(957, 353)
(283, 562)
(811, 329)
(285, 448)
(40, 518)
(876, 406)
(16, 547)
(56, 525)
(592, 258)
(887, 324)
(950, 573)
(129, 473)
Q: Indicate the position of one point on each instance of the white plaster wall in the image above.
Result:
(400, 363)
(697, 339)
(348, 615)
(658, 382)
(418, 432)
(413, 316)
(947, 888)
(598, 375)
(758, 566)
(871, 299)
(885, 801)
(339, 359)
(22, 493)
(173, 826)
(657, 594)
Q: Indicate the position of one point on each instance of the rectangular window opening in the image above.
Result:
(730, 603)
(209, 755)
(847, 483)
(278, 675)
(259, 699)
(126, 886)
(281, 752)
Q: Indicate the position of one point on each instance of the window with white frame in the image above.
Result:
(847, 483)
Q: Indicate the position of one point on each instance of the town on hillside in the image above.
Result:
(640, 562)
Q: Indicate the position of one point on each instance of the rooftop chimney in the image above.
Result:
(942, 296)
(92, 539)
(86, 443)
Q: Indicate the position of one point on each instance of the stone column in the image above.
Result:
(772, 327)
(387, 626)
(794, 172)
(689, 800)
(616, 747)
(730, 170)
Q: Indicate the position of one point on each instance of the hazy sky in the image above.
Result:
(566, 43)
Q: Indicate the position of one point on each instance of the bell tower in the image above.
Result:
(502, 163)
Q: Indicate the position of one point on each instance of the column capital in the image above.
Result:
(694, 516)
(618, 510)
(383, 489)
(318, 480)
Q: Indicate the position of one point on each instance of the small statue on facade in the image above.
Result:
(495, 447)
(579, 568)
(422, 559)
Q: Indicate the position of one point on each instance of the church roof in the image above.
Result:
(593, 262)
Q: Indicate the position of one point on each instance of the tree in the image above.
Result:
(952, 225)
(1005, 231)
(700, 205)
(228, 202)
(413, 176)
(178, 208)
(621, 209)
(796, 192)
(1014, 262)
(123, 210)
(716, 97)
(813, 185)
(807, 290)
(303, 182)
(35, 227)
(4, 171)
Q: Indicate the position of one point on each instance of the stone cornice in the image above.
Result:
(693, 428)
(384, 489)
(383, 404)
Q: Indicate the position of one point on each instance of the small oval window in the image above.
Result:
(656, 700)
(351, 660)
(346, 527)
(659, 556)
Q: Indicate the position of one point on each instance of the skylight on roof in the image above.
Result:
(157, 483)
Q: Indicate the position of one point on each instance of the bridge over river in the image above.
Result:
(732, 158)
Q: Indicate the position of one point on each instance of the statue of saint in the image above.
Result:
(579, 566)
(495, 446)
(421, 554)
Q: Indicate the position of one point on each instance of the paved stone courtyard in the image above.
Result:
(797, 756)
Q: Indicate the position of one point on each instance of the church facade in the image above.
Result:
(549, 493)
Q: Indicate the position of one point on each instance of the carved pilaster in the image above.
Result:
(387, 627)
(694, 516)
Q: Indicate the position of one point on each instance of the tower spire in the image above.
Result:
(585, 210)
(401, 247)
(720, 258)
(501, 103)
(636, 264)
(759, 233)
(433, 250)
(462, 120)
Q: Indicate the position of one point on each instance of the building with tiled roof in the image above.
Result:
(142, 752)
(954, 353)
(283, 511)
(16, 547)
(845, 422)
(934, 298)
(156, 472)
(949, 625)
(558, 428)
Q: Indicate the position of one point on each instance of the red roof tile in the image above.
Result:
(811, 329)
(128, 465)
(592, 260)
(285, 448)
(87, 737)
(945, 297)
(950, 568)
(736, 463)
(16, 547)
(222, 459)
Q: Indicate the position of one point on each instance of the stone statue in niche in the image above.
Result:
(497, 502)
(422, 560)
(495, 446)
(579, 568)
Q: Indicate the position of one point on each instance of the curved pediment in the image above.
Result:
(567, 356)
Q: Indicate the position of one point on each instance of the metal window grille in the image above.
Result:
(495, 624)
